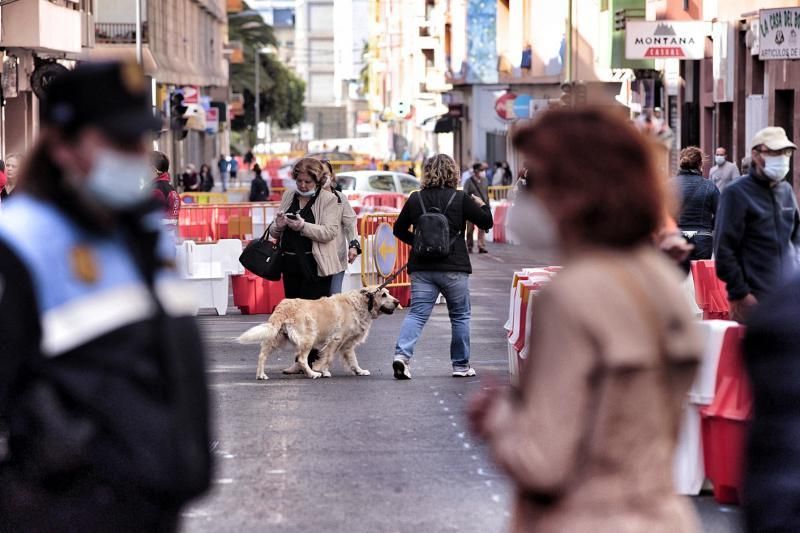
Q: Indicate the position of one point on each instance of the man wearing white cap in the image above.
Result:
(758, 225)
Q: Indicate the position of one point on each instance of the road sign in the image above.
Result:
(385, 249)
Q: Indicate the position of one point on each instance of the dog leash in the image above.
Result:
(391, 278)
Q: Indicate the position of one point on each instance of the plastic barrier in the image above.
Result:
(210, 223)
(400, 288)
(499, 192)
(207, 267)
(499, 228)
(688, 466)
(204, 198)
(710, 291)
(254, 295)
(389, 199)
(726, 420)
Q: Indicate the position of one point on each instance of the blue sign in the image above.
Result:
(522, 106)
(384, 248)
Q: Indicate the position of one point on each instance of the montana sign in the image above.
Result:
(665, 39)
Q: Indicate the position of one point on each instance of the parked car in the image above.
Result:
(377, 181)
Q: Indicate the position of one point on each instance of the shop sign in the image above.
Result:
(665, 39)
(778, 31)
(212, 119)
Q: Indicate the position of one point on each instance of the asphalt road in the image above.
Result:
(365, 454)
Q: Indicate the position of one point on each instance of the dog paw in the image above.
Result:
(315, 375)
(294, 369)
(362, 372)
(262, 376)
(326, 373)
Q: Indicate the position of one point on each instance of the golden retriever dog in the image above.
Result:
(337, 324)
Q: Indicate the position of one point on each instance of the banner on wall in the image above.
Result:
(778, 31)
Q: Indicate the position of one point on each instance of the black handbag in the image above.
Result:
(263, 257)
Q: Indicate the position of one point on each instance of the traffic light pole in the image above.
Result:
(256, 52)
(139, 32)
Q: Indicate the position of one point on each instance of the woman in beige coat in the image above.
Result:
(588, 439)
(307, 226)
(346, 239)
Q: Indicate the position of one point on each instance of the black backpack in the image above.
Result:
(432, 232)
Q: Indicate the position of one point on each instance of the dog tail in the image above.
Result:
(258, 334)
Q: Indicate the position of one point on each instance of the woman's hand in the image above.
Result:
(295, 224)
(352, 253)
(280, 220)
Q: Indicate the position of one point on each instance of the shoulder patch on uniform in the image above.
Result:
(84, 265)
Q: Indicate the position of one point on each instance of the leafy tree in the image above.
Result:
(282, 92)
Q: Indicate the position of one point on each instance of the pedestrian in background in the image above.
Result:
(614, 338)
(477, 185)
(448, 276)
(772, 462)
(102, 378)
(233, 170)
(12, 167)
(758, 226)
(3, 178)
(347, 237)
(723, 172)
(162, 190)
(222, 166)
(190, 179)
(699, 199)
(206, 178)
(259, 190)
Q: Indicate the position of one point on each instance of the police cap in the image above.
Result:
(112, 96)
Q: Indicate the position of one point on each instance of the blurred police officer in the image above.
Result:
(102, 386)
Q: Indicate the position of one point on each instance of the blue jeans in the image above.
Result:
(336, 283)
(425, 288)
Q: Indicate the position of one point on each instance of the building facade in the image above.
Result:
(37, 38)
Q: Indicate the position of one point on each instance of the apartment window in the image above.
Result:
(428, 53)
(686, 5)
(320, 87)
(320, 18)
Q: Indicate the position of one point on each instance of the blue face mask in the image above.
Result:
(116, 179)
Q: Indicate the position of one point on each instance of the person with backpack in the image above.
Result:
(477, 185)
(439, 262)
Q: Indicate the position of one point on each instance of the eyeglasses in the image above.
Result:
(767, 151)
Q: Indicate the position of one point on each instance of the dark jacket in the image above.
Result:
(167, 197)
(758, 230)
(699, 199)
(259, 190)
(479, 189)
(462, 209)
(101, 364)
(771, 492)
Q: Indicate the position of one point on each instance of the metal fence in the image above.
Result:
(118, 32)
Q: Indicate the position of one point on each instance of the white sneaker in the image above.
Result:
(401, 370)
(464, 372)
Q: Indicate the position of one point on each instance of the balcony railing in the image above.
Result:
(118, 32)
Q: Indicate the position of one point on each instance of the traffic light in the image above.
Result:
(567, 95)
(177, 110)
(579, 93)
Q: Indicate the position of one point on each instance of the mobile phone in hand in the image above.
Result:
(293, 216)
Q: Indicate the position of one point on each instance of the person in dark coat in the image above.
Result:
(206, 178)
(699, 199)
(259, 190)
(477, 185)
(758, 225)
(448, 276)
(772, 464)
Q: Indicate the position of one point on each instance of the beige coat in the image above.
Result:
(589, 440)
(348, 230)
(328, 215)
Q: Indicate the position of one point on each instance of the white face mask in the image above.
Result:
(533, 226)
(306, 194)
(115, 179)
(776, 166)
(719, 159)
